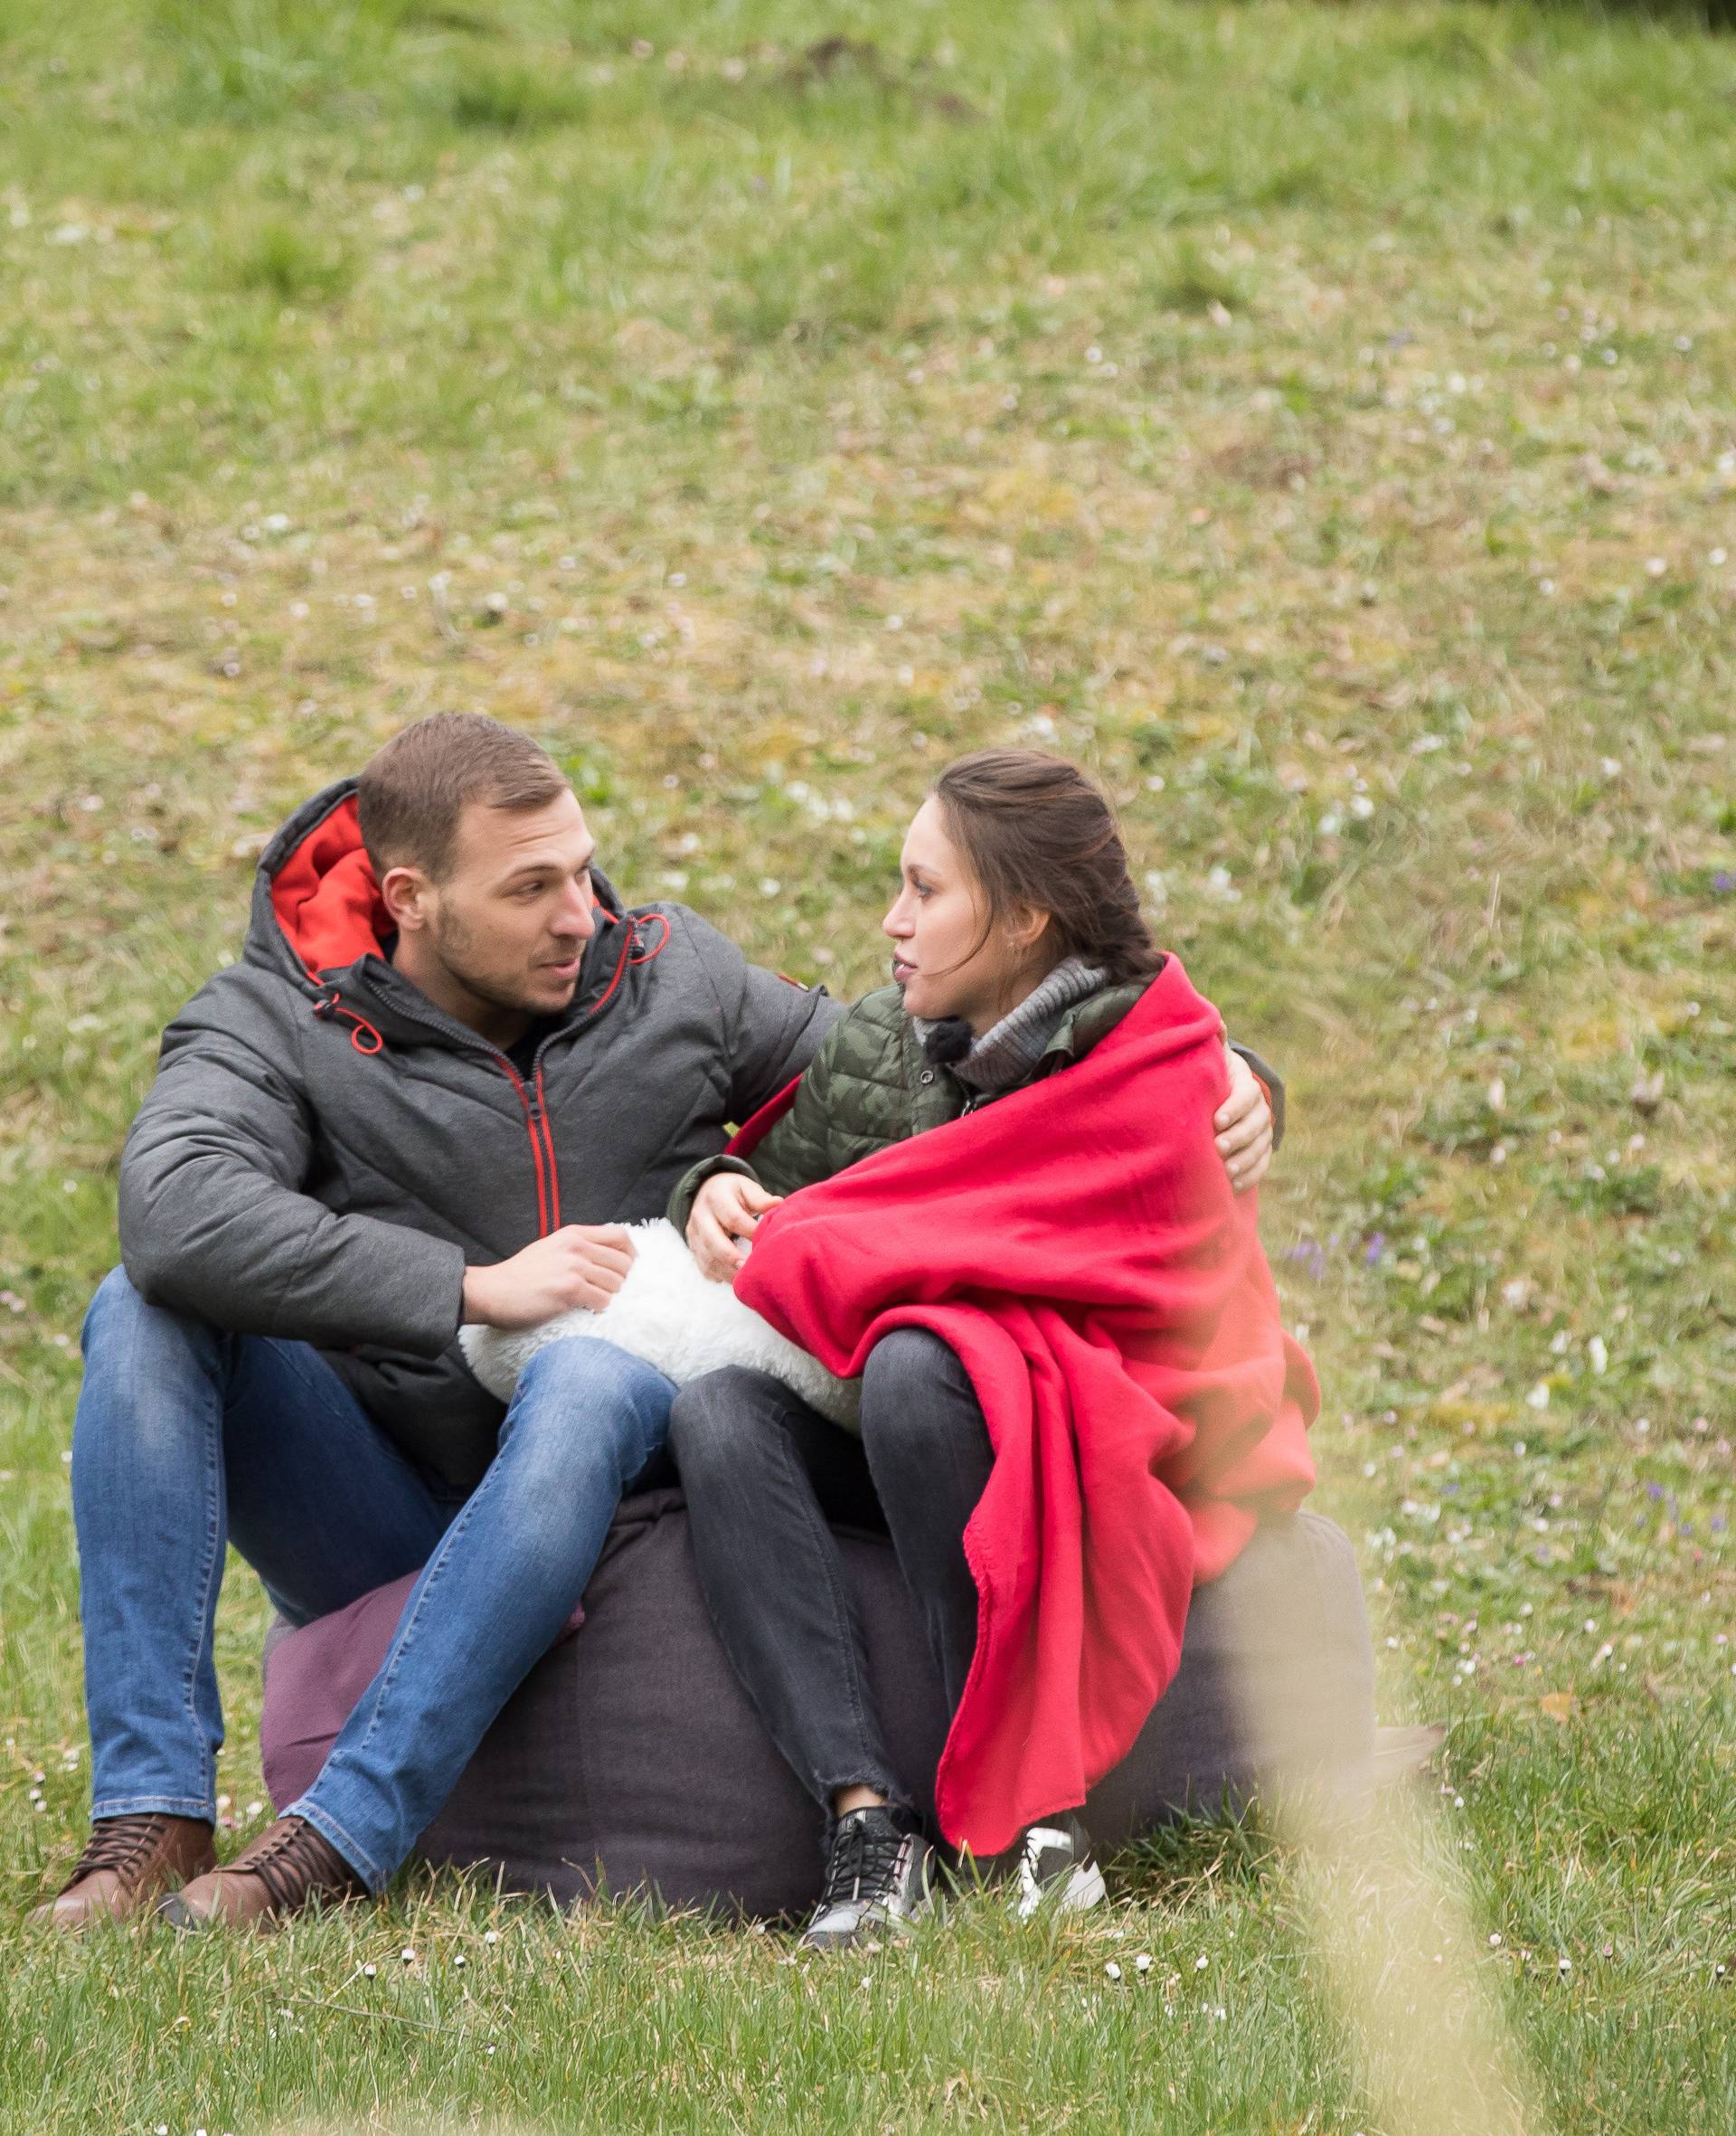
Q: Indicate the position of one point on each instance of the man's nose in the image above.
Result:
(576, 916)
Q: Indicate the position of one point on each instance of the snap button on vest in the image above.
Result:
(927, 1075)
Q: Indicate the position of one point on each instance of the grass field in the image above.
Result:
(1322, 421)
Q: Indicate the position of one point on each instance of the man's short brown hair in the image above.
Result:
(413, 791)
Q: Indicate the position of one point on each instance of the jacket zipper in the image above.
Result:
(532, 1123)
(539, 1110)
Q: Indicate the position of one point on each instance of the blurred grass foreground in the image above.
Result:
(1317, 419)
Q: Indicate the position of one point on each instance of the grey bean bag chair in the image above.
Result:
(629, 1760)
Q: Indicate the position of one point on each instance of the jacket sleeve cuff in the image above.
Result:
(415, 1294)
(1271, 1082)
(447, 1301)
(681, 1202)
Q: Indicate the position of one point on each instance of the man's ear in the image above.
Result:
(406, 894)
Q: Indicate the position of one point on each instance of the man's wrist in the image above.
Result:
(478, 1293)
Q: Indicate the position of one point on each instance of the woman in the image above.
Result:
(1015, 1261)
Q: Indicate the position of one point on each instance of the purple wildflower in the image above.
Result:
(1376, 1246)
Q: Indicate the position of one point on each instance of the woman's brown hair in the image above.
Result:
(1037, 833)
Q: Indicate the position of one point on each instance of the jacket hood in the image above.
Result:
(317, 887)
(315, 899)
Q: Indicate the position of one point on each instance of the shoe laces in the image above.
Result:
(122, 1844)
(291, 1862)
(864, 1860)
(1045, 1839)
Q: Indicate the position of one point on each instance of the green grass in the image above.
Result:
(1318, 419)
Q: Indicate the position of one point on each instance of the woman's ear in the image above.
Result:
(405, 892)
(1027, 925)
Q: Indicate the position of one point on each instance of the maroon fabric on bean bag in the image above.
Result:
(314, 1678)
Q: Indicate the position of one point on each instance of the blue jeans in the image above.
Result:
(187, 1437)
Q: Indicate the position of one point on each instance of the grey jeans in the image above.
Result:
(766, 1478)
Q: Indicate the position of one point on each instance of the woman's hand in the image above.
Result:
(725, 1215)
(1243, 1126)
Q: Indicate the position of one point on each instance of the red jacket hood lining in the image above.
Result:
(325, 897)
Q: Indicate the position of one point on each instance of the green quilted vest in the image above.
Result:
(870, 1085)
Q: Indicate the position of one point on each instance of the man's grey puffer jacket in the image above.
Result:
(324, 1152)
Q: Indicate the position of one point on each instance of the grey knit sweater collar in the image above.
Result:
(1008, 1051)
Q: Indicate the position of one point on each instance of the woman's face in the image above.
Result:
(936, 925)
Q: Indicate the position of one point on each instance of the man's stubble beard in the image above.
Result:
(454, 944)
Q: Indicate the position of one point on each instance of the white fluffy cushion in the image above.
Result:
(667, 1313)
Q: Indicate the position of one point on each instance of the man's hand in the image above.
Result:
(1243, 1126)
(582, 1264)
(726, 1214)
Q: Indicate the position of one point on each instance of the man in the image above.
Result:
(450, 1065)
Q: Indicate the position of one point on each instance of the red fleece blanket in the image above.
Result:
(1077, 1245)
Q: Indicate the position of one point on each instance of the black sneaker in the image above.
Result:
(878, 1878)
(1056, 1872)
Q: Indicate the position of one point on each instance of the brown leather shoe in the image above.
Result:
(127, 1862)
(286, 1870)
